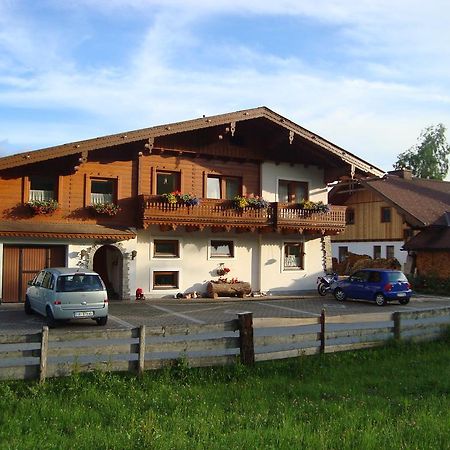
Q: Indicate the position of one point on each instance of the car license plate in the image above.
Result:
(401, 294)
(83, 314)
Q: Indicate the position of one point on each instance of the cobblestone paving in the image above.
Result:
(158, 312)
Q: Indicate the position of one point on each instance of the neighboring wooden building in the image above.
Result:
(389, 216)
(162, 247)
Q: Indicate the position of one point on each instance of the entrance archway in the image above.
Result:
(108, 263)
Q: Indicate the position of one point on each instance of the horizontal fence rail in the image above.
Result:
(54, 353)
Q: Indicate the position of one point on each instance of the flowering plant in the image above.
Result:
(226, 281)
(251, 201)
(42, 206)
(314, 206)
(222, 270)
(178, 197)
(107, 209)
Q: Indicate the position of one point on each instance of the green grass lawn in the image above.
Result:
(395, 397)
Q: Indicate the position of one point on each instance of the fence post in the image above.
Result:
(141, 357)
(44, 352)
(396, 317)
(246, 343)
(322, 331)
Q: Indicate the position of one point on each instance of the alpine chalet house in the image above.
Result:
(241, 196)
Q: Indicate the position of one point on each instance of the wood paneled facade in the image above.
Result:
(367, 223)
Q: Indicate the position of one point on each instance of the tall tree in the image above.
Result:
(428, 158)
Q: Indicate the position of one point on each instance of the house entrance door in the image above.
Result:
(108, 263)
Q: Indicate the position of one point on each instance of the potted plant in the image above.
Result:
(222, 270)
(176, 197)
(249, 201)
(105, 209)
(42, 206)
(314, 206)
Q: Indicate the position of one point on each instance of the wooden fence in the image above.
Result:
(53, 353)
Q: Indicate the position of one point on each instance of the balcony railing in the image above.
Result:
(222, 213)
(291, 216)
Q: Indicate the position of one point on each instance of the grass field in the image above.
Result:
(395, 397)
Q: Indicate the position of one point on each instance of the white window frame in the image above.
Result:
(216, 257)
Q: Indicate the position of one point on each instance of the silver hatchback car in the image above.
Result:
(63, 293)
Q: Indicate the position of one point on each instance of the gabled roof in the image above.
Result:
(423, 202)
(196, 124)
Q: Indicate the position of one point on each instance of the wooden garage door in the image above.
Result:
(21, 263)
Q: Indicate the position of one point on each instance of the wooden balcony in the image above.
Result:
(291, 217)
(221, 214)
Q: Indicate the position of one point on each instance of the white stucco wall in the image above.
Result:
(271, 173)
(366, 248)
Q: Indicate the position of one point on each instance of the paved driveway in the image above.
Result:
(157, 312)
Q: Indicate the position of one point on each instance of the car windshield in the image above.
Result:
(78, 283)
(396, 276)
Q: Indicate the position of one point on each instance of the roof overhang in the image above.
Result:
(25, 229)
(293, 130)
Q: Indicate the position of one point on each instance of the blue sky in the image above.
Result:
(366, 75)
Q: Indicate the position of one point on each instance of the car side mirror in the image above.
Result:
(30, 282)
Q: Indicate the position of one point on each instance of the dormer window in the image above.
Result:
(42, 188)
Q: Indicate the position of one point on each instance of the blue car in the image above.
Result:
(379, 285)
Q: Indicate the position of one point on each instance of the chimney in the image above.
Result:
(406, 174)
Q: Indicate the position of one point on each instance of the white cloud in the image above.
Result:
(376, 117)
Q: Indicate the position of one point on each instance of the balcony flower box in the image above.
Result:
(105, 209)
(249, 201)
(39, 207)
(177, 197)
(314, 206)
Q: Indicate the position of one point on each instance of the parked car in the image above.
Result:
(379, 285)
(63, 293)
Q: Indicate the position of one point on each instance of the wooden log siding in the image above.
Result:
(55, 353)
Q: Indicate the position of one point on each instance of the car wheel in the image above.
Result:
(380, 300)
(404, 301)
(339, 295)
(322, 290)
(102, 320)
(27, 307)
(51, 321)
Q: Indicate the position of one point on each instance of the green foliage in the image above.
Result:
(42, 206)
(430, 284)
(394, 397)
(429, 157)
(106, 209)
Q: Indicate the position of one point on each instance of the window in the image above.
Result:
(350, 216)
(376, 251)
(292, 191)
(223, 187)
(390, 251)
(385, 214)
(42, 188)
(293, 255)
(103, 191)
(374, 277)
(163, 248)
(165, 280)
(47, 282)
(222, 249)
(167, 182)
(343, 252)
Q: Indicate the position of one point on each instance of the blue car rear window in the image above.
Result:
(396, 276)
